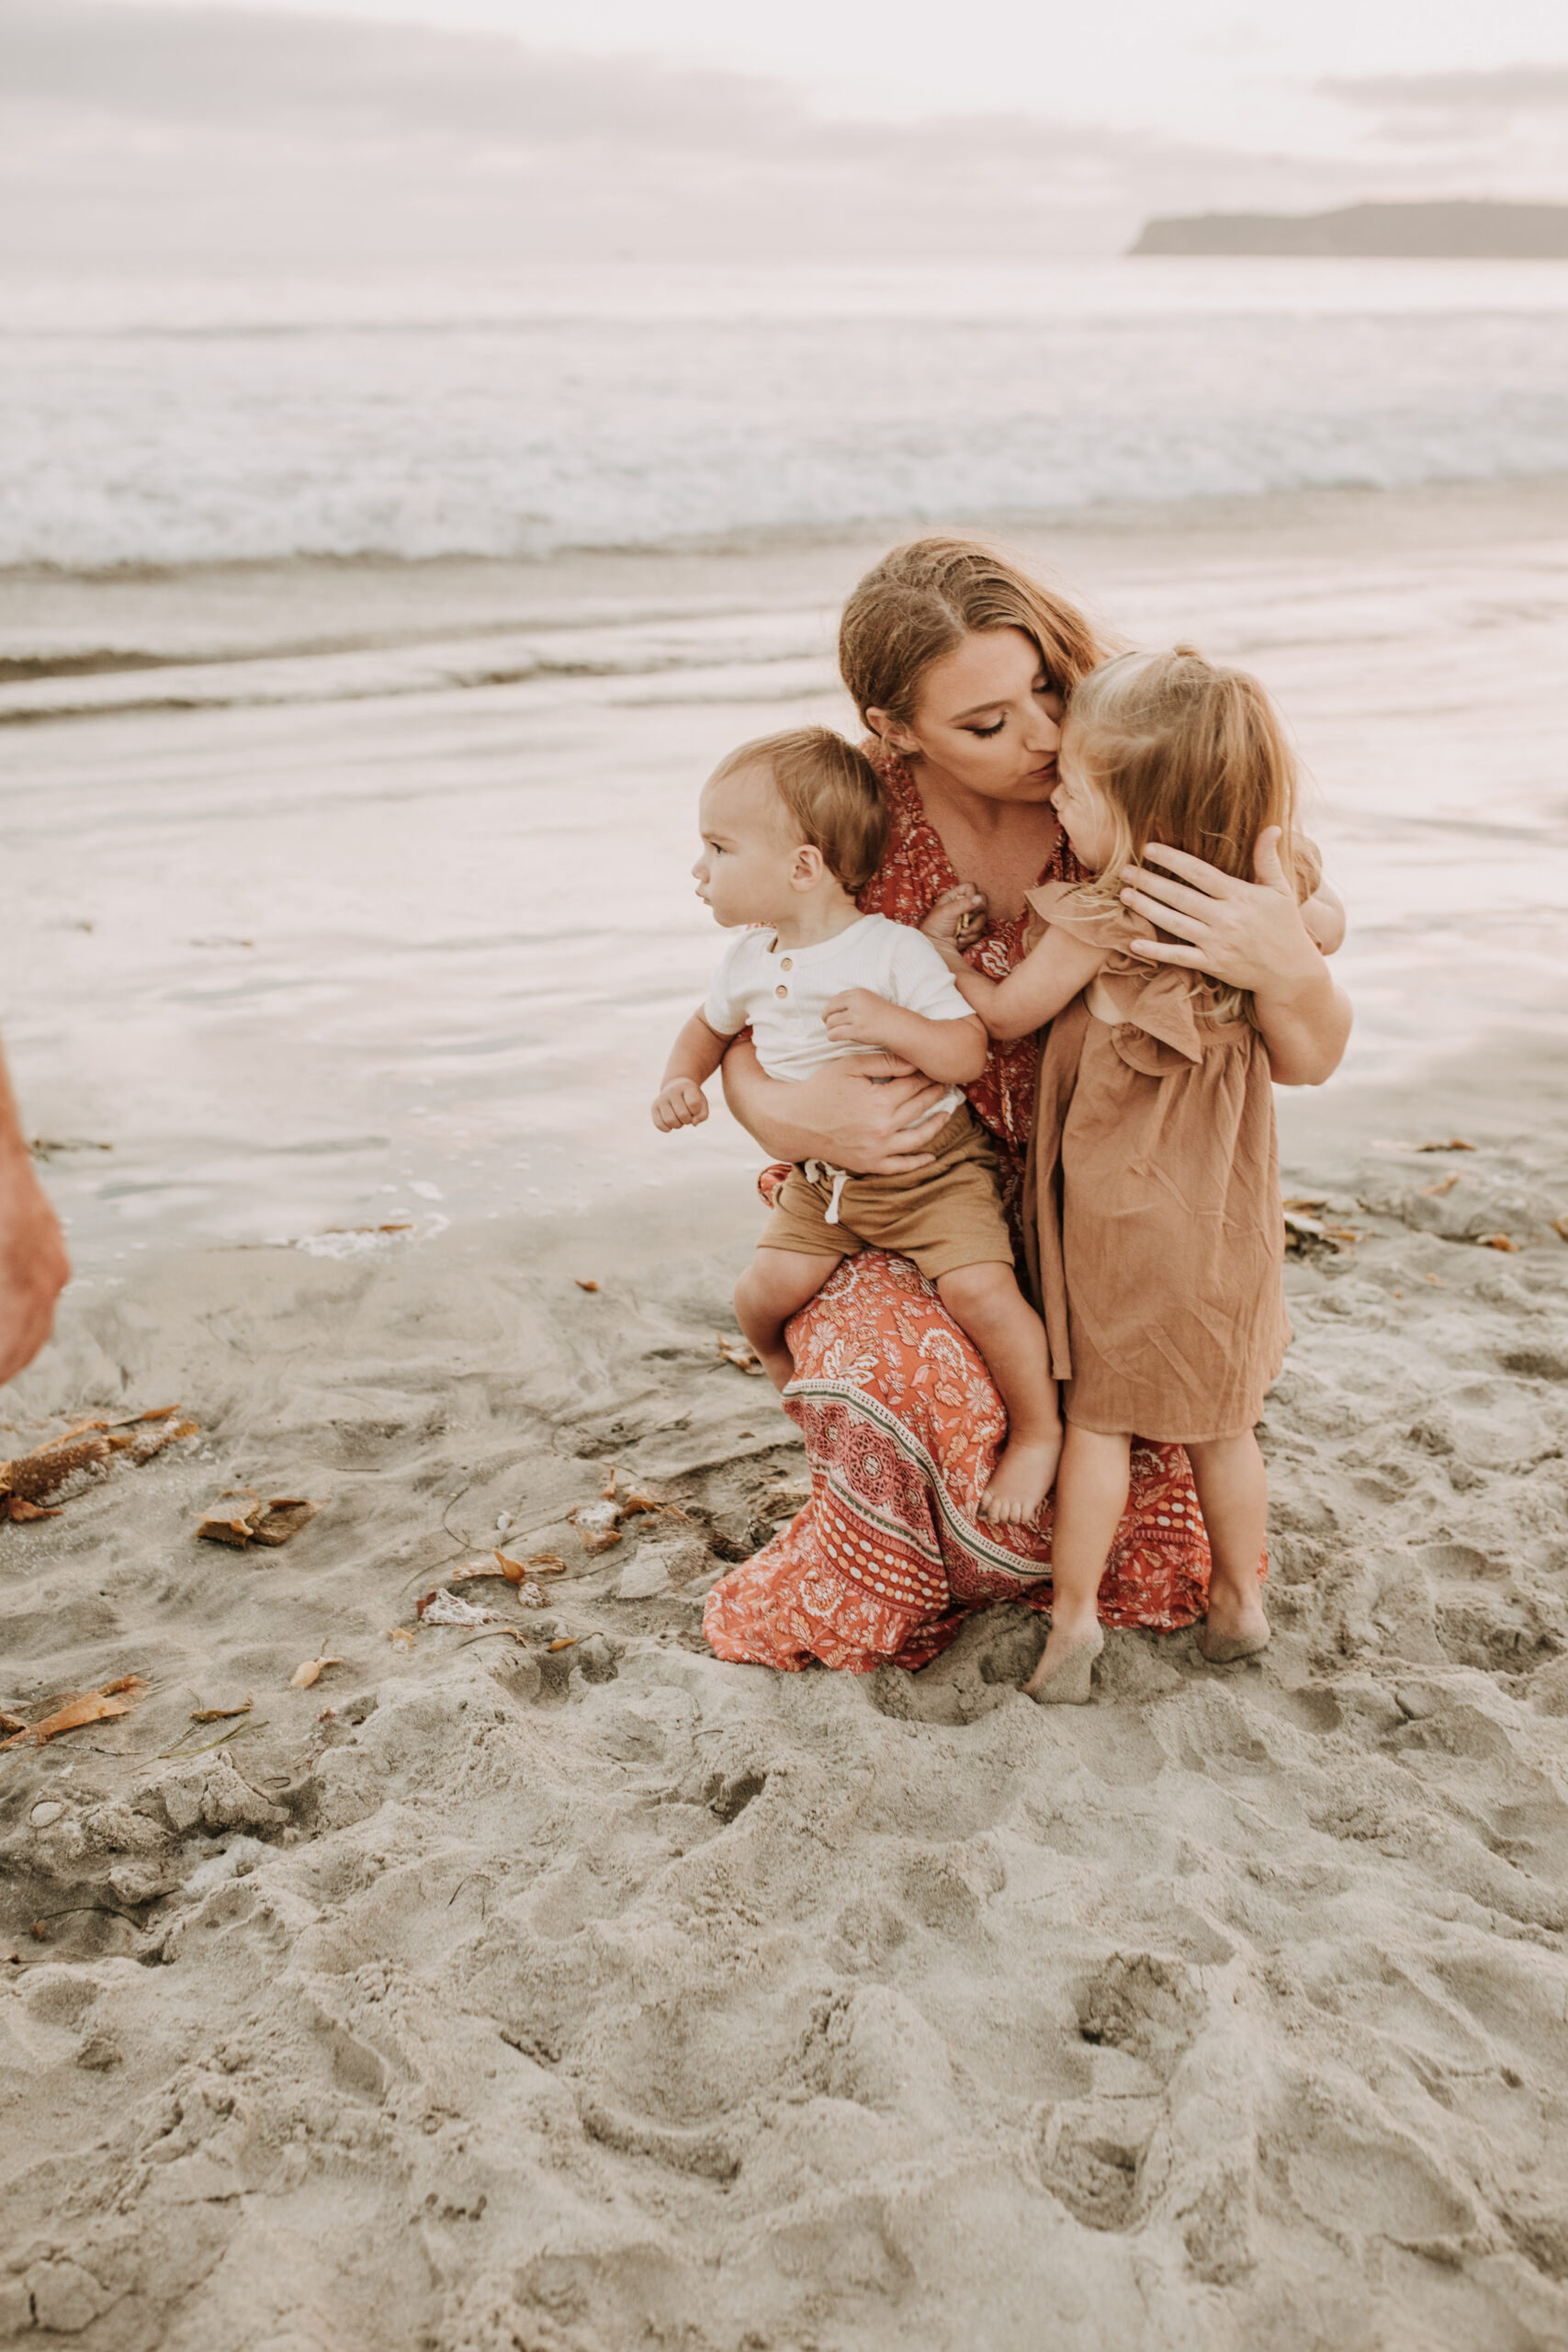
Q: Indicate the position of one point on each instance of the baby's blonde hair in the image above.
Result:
(1192, 755)
(832, 792)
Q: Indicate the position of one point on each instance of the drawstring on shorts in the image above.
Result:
(815, 1170)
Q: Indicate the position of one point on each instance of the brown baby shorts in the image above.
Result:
(943, 1216)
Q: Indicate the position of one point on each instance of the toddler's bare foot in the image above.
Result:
(1021, 1480)
(1067, 1664)
(1236, 1626)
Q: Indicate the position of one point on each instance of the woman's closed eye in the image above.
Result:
(995, 729)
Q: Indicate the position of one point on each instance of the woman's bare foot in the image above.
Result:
(1067, 1663)
(1021, 1480)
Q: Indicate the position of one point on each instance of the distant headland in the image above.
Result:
(1459, 230)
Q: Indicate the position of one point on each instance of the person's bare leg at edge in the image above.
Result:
(1091, 1495)
(775, 1285)
(986, 1303)
(1232, 1495)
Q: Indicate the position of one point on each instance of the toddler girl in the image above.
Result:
(1161, 1240)
(792, 826)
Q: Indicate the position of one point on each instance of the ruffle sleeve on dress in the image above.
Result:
(1154, 1001)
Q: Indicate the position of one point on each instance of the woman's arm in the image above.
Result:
(34, 1268)
(953, 1050)
(869, 1112)
(1250, 935)
(1050, 976)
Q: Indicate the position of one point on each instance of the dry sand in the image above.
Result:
(488, 1997)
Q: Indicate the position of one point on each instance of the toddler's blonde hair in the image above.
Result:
(832, 792)
(1193, 755)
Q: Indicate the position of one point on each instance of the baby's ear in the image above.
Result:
(808, 868)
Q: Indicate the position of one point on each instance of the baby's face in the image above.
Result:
(749, 848)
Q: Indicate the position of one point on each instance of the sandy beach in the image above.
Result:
(544, 1982)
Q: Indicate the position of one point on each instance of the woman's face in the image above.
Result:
(988, 720)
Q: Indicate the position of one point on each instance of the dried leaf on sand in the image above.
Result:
(222, 1715)
(85, 1707)
(1560, 1226)
(544, 1563)
(311, 1671)
(1444, 1184)
(1455, 1143)
(583, 1283)
(636, 1502)
(1498, 1241)
(401, 1638)
(567, 1642)
(255, 1522)
(739, 1352)
(80, 1456)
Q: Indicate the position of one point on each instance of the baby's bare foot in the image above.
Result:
(1021, 1480)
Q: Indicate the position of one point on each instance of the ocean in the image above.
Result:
(362, 652)
(172, 423)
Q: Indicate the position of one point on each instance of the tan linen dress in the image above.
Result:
(1154, 1193)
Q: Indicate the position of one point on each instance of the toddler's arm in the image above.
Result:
(697, 1053)
(953, 1051)
(1050, 976)
(955, 923)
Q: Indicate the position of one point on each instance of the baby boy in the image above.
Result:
(792, 826)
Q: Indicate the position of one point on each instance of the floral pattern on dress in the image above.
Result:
(903, 1424)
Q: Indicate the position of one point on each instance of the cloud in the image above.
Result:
(194, 136)
(1505, 90)
(332, 76)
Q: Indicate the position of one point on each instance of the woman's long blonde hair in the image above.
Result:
(924, 598)
(1192, 755)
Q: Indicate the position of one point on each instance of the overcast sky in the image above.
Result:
(379, 133)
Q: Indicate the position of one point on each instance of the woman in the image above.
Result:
(959, 664)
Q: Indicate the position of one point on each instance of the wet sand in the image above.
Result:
(488, 1994)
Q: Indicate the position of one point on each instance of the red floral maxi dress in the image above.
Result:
(903, 1425)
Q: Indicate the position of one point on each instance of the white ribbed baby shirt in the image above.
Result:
(782, 992)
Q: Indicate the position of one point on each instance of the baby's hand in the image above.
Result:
(958, 918)
(682, 1104)
(859, 1017)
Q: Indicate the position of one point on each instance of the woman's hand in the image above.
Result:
(1248, 935)
(870, 1113)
